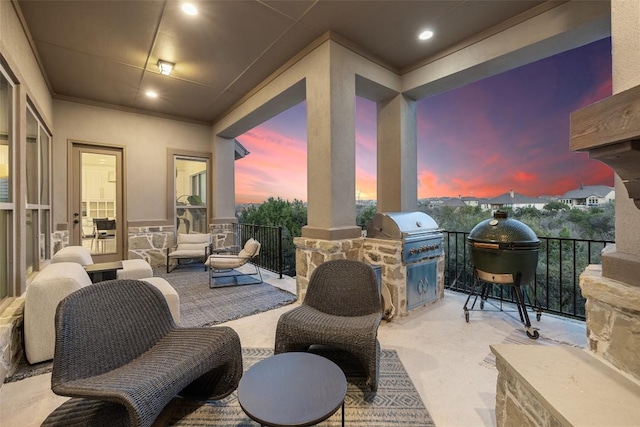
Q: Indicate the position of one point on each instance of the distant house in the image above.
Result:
(589, 196)
(514, 201)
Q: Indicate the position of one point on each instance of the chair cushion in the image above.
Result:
(224, 262)
(77, 254)
(200, 238)
(134, 269)
(250, 248)
(192, 247)
(187, 253)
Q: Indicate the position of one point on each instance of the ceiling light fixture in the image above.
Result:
(425, 35)
(165, 67)
(189, 9)
(151, 94)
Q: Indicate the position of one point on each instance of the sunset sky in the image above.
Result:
(510, 131)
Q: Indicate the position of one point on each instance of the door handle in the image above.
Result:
(76, 214)
(75, 221)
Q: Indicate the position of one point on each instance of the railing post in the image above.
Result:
(280, 254)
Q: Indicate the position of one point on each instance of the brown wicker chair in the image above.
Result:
(122, 358)
(341, 309)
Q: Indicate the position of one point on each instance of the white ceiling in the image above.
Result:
(107, 51)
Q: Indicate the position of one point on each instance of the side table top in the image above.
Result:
(292, 389)
(103, 266)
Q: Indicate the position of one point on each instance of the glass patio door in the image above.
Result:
(97, 218)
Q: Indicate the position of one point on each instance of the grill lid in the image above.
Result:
(503, 232)
(399, 225)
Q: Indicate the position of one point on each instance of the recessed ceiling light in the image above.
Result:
(165, 67)
(189, 9)
(425, 35)
(151, 94)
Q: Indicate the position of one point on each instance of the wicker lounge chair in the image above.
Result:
(341, 309)
(122, 358)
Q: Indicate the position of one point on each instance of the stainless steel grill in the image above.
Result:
(421, 246)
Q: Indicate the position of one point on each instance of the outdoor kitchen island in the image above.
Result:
(408, 248)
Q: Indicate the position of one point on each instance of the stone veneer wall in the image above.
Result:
(613, 319)
(516, 405)
(386, 254)
(10, 337)
(150, 243)
(310, 253)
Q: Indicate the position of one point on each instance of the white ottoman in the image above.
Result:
(135, 269)
(49, 287)
(170, 294)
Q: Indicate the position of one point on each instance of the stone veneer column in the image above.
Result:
(310, 253)
(612, 290)
(613, 319)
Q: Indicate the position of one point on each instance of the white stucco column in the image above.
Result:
(223, 181)
(331, 149)
(397, 155)
(625, 41)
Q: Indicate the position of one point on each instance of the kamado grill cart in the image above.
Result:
(504, 252)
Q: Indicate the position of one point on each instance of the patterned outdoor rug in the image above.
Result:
(396, 403)
(202, 306)
(199, 306)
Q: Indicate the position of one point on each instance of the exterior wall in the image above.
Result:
(145, 139)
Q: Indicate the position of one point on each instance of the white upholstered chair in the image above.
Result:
(189, 247)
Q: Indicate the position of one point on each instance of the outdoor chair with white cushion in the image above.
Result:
(189, 247)
(225, 265)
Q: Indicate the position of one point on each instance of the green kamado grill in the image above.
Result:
(504, 251)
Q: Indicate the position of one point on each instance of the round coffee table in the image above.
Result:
(292, 389)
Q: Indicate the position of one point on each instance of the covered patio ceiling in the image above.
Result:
(106, 52)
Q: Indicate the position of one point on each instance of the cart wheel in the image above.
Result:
(533, 336)
(481, 304)
(538, 316)
(466, 316)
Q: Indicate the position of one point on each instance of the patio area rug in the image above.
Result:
(199, 306)
(396, 403)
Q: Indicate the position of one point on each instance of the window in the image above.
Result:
(38, 212)
(6, 183)
(190, 195)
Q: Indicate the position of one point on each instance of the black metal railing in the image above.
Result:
(270, 238)
(555, 290)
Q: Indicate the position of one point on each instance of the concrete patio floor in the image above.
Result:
(442, 354)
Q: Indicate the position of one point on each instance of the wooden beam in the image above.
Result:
(613, 120)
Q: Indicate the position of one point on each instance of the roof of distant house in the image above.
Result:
(517, 198)
(588, 190)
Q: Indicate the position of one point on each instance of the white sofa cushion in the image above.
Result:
(77, 254)
(134, 269)
(49, 287)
